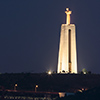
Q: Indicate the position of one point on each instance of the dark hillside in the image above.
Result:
(54, 82)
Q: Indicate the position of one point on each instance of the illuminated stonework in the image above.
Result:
(67, 59)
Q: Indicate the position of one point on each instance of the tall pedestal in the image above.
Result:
(67, 59)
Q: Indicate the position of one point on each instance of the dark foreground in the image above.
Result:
(45, 82)
(27, 95)
(85, 87)
(92, 94)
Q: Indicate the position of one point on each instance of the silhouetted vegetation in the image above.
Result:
(54, 82)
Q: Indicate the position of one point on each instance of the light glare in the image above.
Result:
(49, 72)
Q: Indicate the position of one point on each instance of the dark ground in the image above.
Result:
(54, 82)
(91, 94)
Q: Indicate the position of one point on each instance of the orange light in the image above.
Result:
(36, 86)
(16, 85)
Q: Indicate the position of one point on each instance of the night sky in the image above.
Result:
(30, 34)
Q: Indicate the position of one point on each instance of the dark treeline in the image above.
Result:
(45, 82)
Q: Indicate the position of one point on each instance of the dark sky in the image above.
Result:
(30, 34)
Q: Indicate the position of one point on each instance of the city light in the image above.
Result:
(15, 84)
(36, 86)
(49, 72)
(15, 87)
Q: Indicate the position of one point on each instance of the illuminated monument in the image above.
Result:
(67, 59)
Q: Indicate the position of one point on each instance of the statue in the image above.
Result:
(68, 12)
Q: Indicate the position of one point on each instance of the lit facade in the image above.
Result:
(67, 59)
